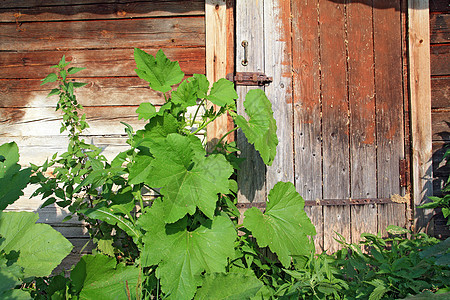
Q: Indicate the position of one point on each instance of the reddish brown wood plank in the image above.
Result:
(336, 175)
(98, 63)
(389, 105)
(98, 92)
(441, 124)
(99, 11)
(362, 116)
(439, 28)
(440, 92)
(440, 59)
(439, 6)
(306, 96)
(141, 33)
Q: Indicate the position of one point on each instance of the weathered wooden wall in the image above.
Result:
(339, 97)
(440, 94)
(99, 35)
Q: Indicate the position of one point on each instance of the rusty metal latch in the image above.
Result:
(250, 78)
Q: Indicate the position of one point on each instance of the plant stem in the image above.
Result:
(224, 136)
(196, 112)
(206, 124)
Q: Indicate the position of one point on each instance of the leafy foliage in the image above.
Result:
(164, 219)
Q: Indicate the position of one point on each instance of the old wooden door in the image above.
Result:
(338, 94)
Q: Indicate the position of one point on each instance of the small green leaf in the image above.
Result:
(284, 227)
(159, 71)
(53, 92)
(74, 70)
(261, 129)
(146, 111)
(201, 83)
(185, 94)
(52, 77)
(222, 93)
(78, 84)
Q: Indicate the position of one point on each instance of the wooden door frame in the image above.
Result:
(220, 60)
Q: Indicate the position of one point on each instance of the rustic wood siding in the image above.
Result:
(440, 96)
(99, 35)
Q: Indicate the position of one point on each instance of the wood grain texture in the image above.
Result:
(307, 100)
(441, 124)
(97, 10)
(439, 28)
(440, 92)
(361, 86)
(104, 34)
(252, 176)
(118, 91)
(439, 6)
(277, 40)
(98, 63)
(440, 59)
(336, 176)
(216, 59)
(420, 87)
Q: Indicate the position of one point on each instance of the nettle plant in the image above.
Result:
(185, 240)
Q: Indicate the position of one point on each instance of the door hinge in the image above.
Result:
(404, 172)
(249, 78)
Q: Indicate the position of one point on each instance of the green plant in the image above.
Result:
(444, 201)
(181, 241)
(393, 267)
(27, 249)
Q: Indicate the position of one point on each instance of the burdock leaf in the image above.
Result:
(159, 71)
(222, 93)
(284, 226)
(261, 129)
(187, 177)
(183, 255)
(40, 247)
(98, 277)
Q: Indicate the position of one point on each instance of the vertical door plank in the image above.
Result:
(216, 58)
(249, 27)
(335, 120)
(362, 116)
(307, 117)
(277, 40)
(420, 89)
(389, 108)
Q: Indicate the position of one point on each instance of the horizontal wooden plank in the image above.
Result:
(440, 92)
(98, 92)
(44, 121)
(440, 59)
(36, 149)
(141, 33)
(98, 63)
(439, 6)
(439, 28)
(81, 246)
(96, 10)
(441, 125)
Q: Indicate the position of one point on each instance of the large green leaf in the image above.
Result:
(41, 247)
(183, 255)
(188, 179)
(232, 286)
(159, 71)
(158, 128)
(185, 94)
(261, 129)
(12, 179)
(222, 93)
(284, 226)
(98, 277)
